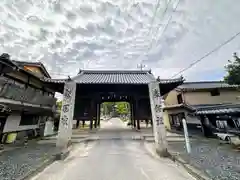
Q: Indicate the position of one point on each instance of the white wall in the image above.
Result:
(12, 124)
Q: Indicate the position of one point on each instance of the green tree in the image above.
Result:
(59, 105)
(233, 70)
(122, 108)
(107, 107)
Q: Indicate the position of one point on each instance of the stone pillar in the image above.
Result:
(157, 118)
(66, 118)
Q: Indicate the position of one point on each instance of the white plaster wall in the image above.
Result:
(12, 124)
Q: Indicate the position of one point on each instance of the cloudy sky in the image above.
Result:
(66, 35)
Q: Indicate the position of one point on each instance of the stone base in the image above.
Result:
(163, 152)
(63, 152)
(62, 155)
(69, 143)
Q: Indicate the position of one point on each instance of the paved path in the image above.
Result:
(116, 157)
(113, 123)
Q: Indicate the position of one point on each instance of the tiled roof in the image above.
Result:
(216, 108)
(178, 106)
(114, 77)
(188, 86)
(167, 81)
(58, 81)
(202, 109)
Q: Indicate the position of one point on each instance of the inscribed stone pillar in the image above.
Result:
(66, 118)
(157, 118)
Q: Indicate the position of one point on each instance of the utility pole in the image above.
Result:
(141, 66)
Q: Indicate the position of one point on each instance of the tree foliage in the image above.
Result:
(107, 108)
(233, 70)
(59, 105)
(122, 108)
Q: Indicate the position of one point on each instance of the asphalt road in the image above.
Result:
(117, 158)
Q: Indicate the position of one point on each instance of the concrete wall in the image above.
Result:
(226, 96)
(12, 124)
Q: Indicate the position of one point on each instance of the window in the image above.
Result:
(237, 122)
(28, 119)
(215, 92)
(176, 119)
(179, 99)
(221, 124)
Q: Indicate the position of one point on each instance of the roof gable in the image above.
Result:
(39, 65)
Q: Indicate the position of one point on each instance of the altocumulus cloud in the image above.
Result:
(116, 34)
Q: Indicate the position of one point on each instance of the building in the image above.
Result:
(215, 101)
(95, 87)
(26, 102)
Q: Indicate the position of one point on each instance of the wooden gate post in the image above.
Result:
(157, 118)
(98, 114)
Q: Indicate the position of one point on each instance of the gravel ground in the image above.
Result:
(219, 161)
(18, 162)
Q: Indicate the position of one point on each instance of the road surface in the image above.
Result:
(117, 158)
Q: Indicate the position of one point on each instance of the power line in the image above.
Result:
(164, 13)
(168, 22)
(141, 66)
(207, 54)
(162, 17)
(154, 15)
(166, 26)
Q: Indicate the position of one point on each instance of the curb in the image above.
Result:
(175, 158)
(190, 169)
(56, 157)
